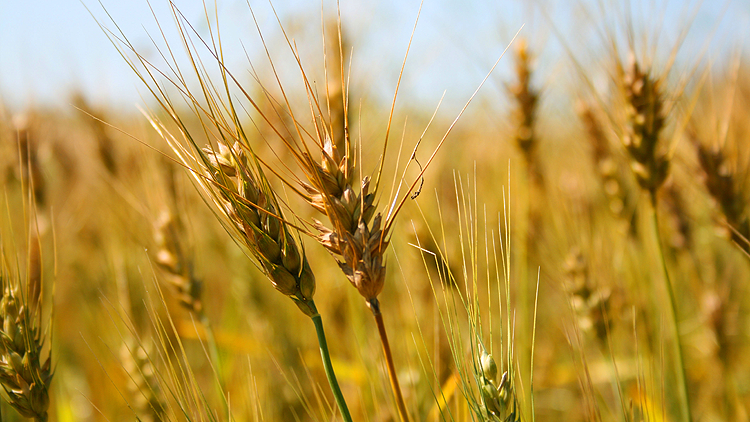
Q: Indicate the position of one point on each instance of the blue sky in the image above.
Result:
(50, 48)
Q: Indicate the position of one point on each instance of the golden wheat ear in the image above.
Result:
(250, 203)
(25, 373)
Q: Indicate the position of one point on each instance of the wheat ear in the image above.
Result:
(24, 374)
(645, 119)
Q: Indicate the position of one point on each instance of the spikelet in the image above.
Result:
(355, 237)
(644, 121)
(250, 204)
(498, 398)
(24, 374)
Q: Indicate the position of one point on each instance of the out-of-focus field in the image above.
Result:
(529, 203)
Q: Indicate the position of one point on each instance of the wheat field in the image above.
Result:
(281, 238)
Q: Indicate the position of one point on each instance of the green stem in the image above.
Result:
(318, 321)
(213, 350)
(374, 305)
(682, 381)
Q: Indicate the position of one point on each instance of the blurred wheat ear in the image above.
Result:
(171, 257)
(527, 100)
(31, 170)
(726, 171)
(606, 164)
(645, 118)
